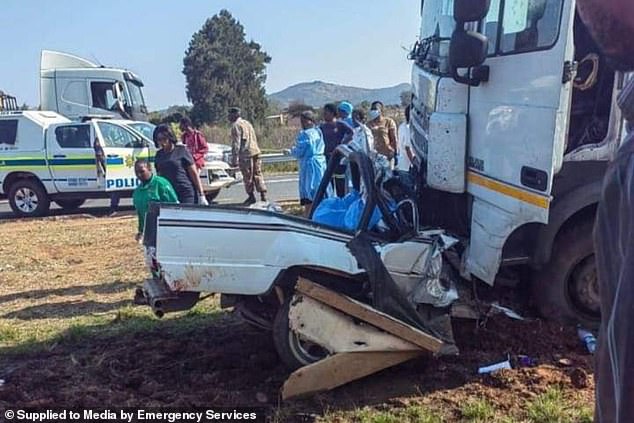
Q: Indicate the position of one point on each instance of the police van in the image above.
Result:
(46, 157)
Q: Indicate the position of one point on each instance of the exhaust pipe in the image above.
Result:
(162, 300)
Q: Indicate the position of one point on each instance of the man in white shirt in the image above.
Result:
(405, 151)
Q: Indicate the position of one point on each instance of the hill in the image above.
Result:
(318, 93)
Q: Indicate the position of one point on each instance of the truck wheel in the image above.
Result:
(293, 351)
(566, 289)
(70, 204)
(211, 195)
(28, 198)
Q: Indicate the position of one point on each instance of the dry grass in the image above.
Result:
(67, 275)
(67, 282)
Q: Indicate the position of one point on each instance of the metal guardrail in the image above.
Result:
(276, 158)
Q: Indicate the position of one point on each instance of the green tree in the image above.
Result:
(223, 69)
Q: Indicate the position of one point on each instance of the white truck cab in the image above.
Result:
(75, 87)
(513, 123)
(47, 157)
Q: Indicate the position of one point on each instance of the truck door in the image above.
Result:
(71, 158)
(121, 148)
(517, 123)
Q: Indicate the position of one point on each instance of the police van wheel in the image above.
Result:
(70, 204)
(566, 288)
(294, 351)
(28, 198)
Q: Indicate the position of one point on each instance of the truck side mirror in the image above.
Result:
(467, 49)
(470, 10)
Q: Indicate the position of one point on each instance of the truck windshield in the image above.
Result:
(136, 96)
(511, 26)
(437, 18)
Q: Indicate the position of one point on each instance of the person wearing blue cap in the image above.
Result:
(344, 110)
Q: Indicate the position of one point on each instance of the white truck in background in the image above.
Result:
(75, 88)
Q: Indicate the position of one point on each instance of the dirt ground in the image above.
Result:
(68, 337)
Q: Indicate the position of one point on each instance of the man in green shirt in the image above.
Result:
(153, 188)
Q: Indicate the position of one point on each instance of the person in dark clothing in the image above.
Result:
(175, 163)
(334, 132)
(611, 23)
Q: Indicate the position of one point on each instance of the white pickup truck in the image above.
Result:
(46, 157)
(256, 257)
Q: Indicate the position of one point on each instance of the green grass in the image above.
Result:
(127, 319)
(477, 411)
(414, 413)
(554, 407)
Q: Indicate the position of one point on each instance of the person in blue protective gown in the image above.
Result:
(309, 152)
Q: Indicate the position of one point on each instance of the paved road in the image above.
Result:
(281, 187)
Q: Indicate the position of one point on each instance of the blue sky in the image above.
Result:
(354, 42)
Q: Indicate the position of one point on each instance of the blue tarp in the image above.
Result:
(344, 213)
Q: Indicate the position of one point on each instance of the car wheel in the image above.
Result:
(293, 351)
(566, 289)
(28, 198)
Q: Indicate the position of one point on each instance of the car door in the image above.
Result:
(121, 148)
(71, 157)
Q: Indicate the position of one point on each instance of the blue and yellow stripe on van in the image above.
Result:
(71, 163)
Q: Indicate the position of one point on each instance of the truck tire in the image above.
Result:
(293, 352)
(566, 288)
(211, 195)
(70, 204)
(28, 198)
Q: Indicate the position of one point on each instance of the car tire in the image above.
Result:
(70, 204)
(293, 352)
(28, 198)
(566, 288)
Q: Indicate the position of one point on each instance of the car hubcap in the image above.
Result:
(305, 351)
(584, 288)
(26, 200)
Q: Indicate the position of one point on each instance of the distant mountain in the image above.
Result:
(318, 93)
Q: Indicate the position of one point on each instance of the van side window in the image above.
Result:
(102, 95)
(8, 131)
(118, 137)
(73, 136)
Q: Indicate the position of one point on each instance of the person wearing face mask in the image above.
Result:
(611, 22)
(153, 188)
(384, 132)
(175, 163)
